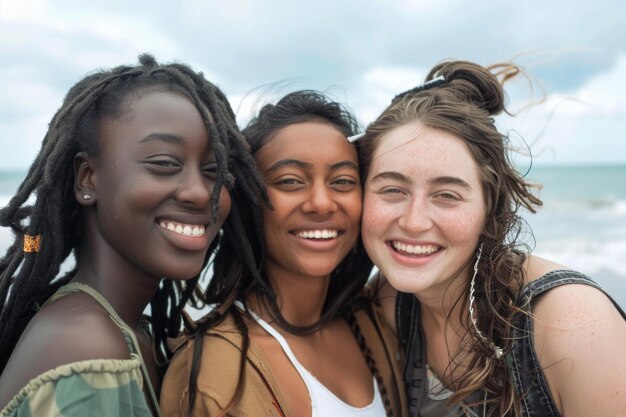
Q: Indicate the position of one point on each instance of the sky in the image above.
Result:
(360, 53)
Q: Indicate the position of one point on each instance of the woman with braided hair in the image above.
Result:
(489, 329)
(135, 178)
(294, 341)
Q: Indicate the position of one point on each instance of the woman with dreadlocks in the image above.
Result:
(489, 328)
(135, 178)
(291, 343)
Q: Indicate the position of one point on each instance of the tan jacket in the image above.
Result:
(221, 356)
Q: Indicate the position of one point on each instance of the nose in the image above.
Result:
(195, 189)
(416, 217)
(320, 200)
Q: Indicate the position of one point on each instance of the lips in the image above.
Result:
(190, 237)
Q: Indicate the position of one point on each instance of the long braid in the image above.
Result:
(371, 362)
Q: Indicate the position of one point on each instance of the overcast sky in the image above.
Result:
(360, 52)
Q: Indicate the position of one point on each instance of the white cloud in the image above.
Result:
(605, 93)
(21, 139)
(17, 10)
(24, 97)
(584, 125)
(379, 85)
(362, 54)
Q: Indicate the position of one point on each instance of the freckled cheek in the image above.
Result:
(377, 216)
(463, 226)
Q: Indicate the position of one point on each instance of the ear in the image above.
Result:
(84, 180)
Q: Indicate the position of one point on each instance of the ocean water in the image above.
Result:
(582, 223)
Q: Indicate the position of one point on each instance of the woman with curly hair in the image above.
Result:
(489, 329)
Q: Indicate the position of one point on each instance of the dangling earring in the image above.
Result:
(497, 351)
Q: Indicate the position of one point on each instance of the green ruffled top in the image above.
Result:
(103, 387)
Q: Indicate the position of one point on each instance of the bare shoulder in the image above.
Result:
(536, 267)
(574, 306)
(71, 329)
(578, 334)
(386, 297)
(569, 307)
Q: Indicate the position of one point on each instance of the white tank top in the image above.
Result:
(323, 402)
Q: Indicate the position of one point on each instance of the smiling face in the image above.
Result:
(311, 174)
(423, 208)
(152, 182)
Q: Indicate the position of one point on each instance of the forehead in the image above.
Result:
(154, 105)
(312, 142)
(161, 112)
(415, 149)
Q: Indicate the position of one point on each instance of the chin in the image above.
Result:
(401, 282)
(183, 273)
(316, 271)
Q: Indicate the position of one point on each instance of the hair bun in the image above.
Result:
(147, 60)
(472, 82)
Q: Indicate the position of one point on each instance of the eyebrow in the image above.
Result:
(392, 175)
(306, 165)
(163, 137)
(344, 164)
(446, 180)
(396, 176)
(288, 162)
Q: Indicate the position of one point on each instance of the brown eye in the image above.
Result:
(163, 166)
(166, 164)
(449, 196)
(344, 184)
(287, 181)
(344, 181)
(210, 170)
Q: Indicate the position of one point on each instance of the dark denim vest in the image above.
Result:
(522, 360)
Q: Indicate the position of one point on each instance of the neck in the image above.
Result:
(300, 299)
(128, 292)
(443, 305)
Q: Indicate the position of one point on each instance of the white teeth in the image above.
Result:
(415, 249)
(318, 234)
(183, 229)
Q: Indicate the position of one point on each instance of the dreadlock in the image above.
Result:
(28, 279)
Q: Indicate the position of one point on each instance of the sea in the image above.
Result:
(582, 223)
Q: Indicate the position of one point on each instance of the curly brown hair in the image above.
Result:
(464, 105)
